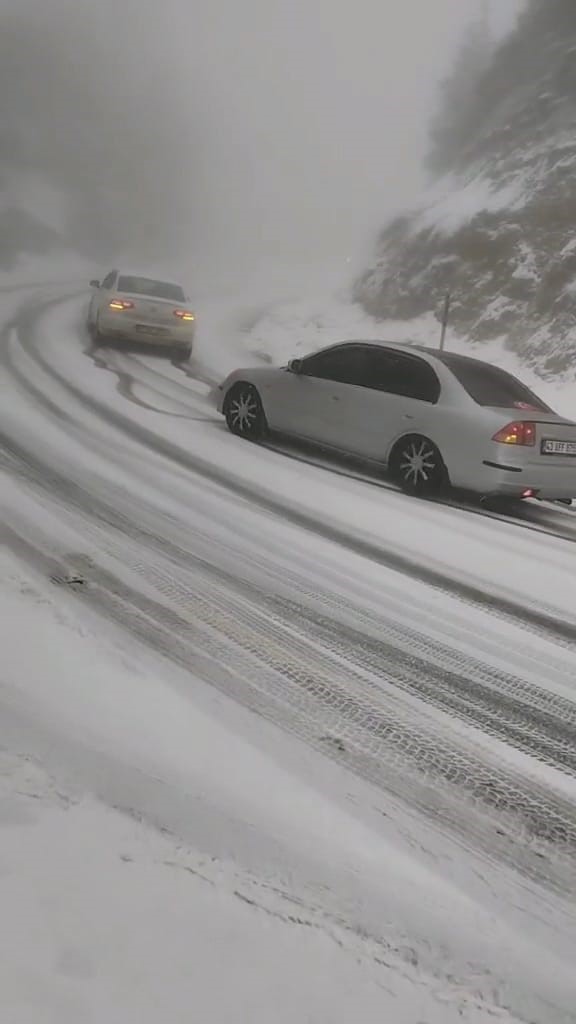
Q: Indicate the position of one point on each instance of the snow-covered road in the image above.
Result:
(366, 704)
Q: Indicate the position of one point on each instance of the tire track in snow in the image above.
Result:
(542, 622)
(541, 722)
(529, 718)
(362, 700)
(505, 706)
(267, 665)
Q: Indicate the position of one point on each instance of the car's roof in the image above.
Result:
(453, 358)
(147, 276)
(447, 358)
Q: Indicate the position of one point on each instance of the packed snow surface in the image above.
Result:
(248, 771)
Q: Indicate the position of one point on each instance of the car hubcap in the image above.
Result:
(418, 463)
(244, 411)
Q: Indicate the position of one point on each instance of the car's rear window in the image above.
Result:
(490, 386)
(155, 289)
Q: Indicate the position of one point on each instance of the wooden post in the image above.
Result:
(445, 319)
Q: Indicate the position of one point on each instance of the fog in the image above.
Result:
(235, 137)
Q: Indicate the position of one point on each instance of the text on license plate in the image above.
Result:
(559, 448)
(144, 329)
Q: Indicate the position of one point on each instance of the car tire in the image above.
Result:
(417, 466)
(183, 352)
(97, 338)
(244, 412)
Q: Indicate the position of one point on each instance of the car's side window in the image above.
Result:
(398, 374)
(344, 365)
(109, 280)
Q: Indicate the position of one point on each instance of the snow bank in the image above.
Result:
(107, 919)
(293, 329)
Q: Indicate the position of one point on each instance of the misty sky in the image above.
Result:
(319, 112)
(273, 133)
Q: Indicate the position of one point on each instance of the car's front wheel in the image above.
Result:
(417, 466)
(95, 333)
(244, 413)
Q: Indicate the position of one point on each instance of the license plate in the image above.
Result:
(149, 330)
(559, 448)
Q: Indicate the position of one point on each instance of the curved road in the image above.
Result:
(430, 650)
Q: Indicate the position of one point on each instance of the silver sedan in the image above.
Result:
(433, 419)
(127, 307)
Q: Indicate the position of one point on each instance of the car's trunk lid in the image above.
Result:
(151, 310)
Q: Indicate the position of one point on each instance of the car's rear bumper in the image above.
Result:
(550, 482)
(158, 335)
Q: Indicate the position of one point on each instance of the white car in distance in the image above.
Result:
(129, 308)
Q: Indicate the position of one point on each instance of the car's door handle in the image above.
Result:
(335, 398)
(407, 416)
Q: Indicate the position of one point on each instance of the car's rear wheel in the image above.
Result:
(183, 352)
(417, 466)
(244, 414)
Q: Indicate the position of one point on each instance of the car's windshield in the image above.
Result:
(490, 386)
(155, 289)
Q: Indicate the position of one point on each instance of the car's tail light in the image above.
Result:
(522, 433)
(184, 314)
(120, 304)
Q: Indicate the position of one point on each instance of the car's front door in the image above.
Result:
(309, 404)
(101, 296)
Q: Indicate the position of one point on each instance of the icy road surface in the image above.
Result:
(365, 704)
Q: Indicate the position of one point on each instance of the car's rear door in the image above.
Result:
(102, 296)
(397, 394)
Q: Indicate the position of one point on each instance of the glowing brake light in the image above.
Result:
(121, 304)
(522, 433)
(184, 314)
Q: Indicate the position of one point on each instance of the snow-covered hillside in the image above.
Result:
(498, 227)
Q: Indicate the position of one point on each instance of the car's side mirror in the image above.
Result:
(94, 284)
(295, 366)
